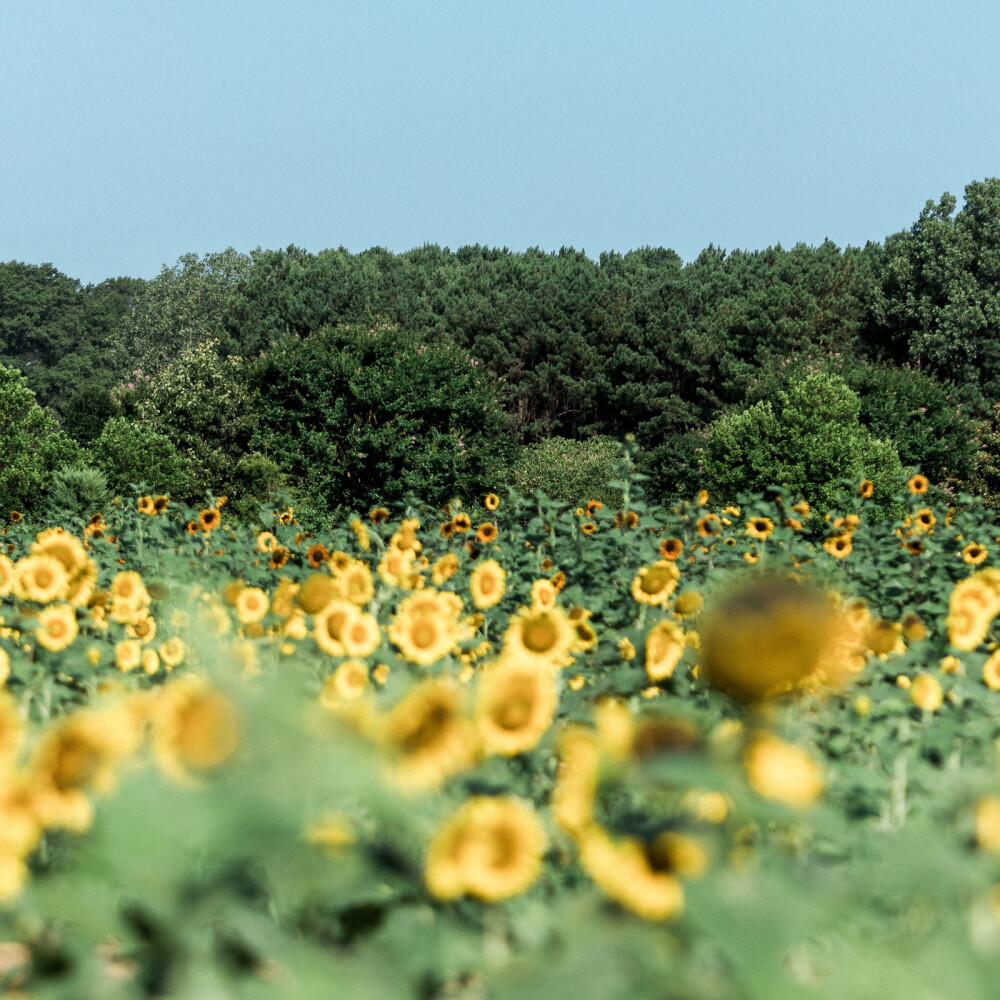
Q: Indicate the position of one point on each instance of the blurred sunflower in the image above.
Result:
(491, 848)
(542, 636)
(515, 705)
(57, 627)
(491, 501)
(918, 484)
(209, 519)
(654, 584)
(671, 548)
(665, 645)
(974, 554)
(487, 584)
(428, 736)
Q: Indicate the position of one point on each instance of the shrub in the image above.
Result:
(360, 416)
(128, 453)
(806, 441)
(201, 402)
(32, 445)
(87, 411)
(907, 405)
(568, 470)
(78, 490)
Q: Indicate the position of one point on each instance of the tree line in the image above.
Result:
(349, 379)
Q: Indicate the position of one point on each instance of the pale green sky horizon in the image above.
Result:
(131, 133)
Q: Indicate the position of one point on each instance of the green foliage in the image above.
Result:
(201, 402)
(181, 307)
(806, 441)
(569, 471)
(130, 453)
(78, 490)
(32, 444)
(939, 300)
(87, 411)
(360, 416)
(256, 480)
(905, 405)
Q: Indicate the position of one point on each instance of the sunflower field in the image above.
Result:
(509, 749)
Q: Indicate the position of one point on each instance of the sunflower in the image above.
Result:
(147, 506)
(266, 542)
(972, 606)
(665, 645)
(330, 624)
(542, 636)
(491, 501)
(195, 729)
(251, 605)
(918, 483)
(445, 568)
(378, 515)
(974, 554)
(57, 627)
(782, 772)
(347, 683)
(317, 555)
(839, 546)
(689, 603)
(142, 627)
(801, 508)
(209, 519)
(426, 626)
(128, 654)
(760, 527)
(593, 506)
(40, 578)
(355, 583)
(396, 567)
(991, 671)
(279, 557)
(128, 595)
(172, 652)
(428, 736)
(632, 874)
(866, 489)
(487, 584)
(588, 527)
(361, 636)
(702, 498)
(515, 705)
(192, 527)
(767, 637)
(491, 848)
(316, 592)
(926, 693)
(361, 533)
(486, 532)
(80, 754)
(709, 525)
(16, 516)
(543, 594)
(576, 785)
(461, 522)
(924, 519)
(654, 584)
(7, 576)
(671, 548)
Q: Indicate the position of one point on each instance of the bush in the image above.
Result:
(907, 405)
(569, 471)
(128, 453)
(806, 441)
(32, 445)
(361, 416)
(201, 402)
(87, 411)
(78, 490)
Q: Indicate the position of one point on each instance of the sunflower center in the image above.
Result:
(540, 635)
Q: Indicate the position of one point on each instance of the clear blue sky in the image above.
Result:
(132, 132)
